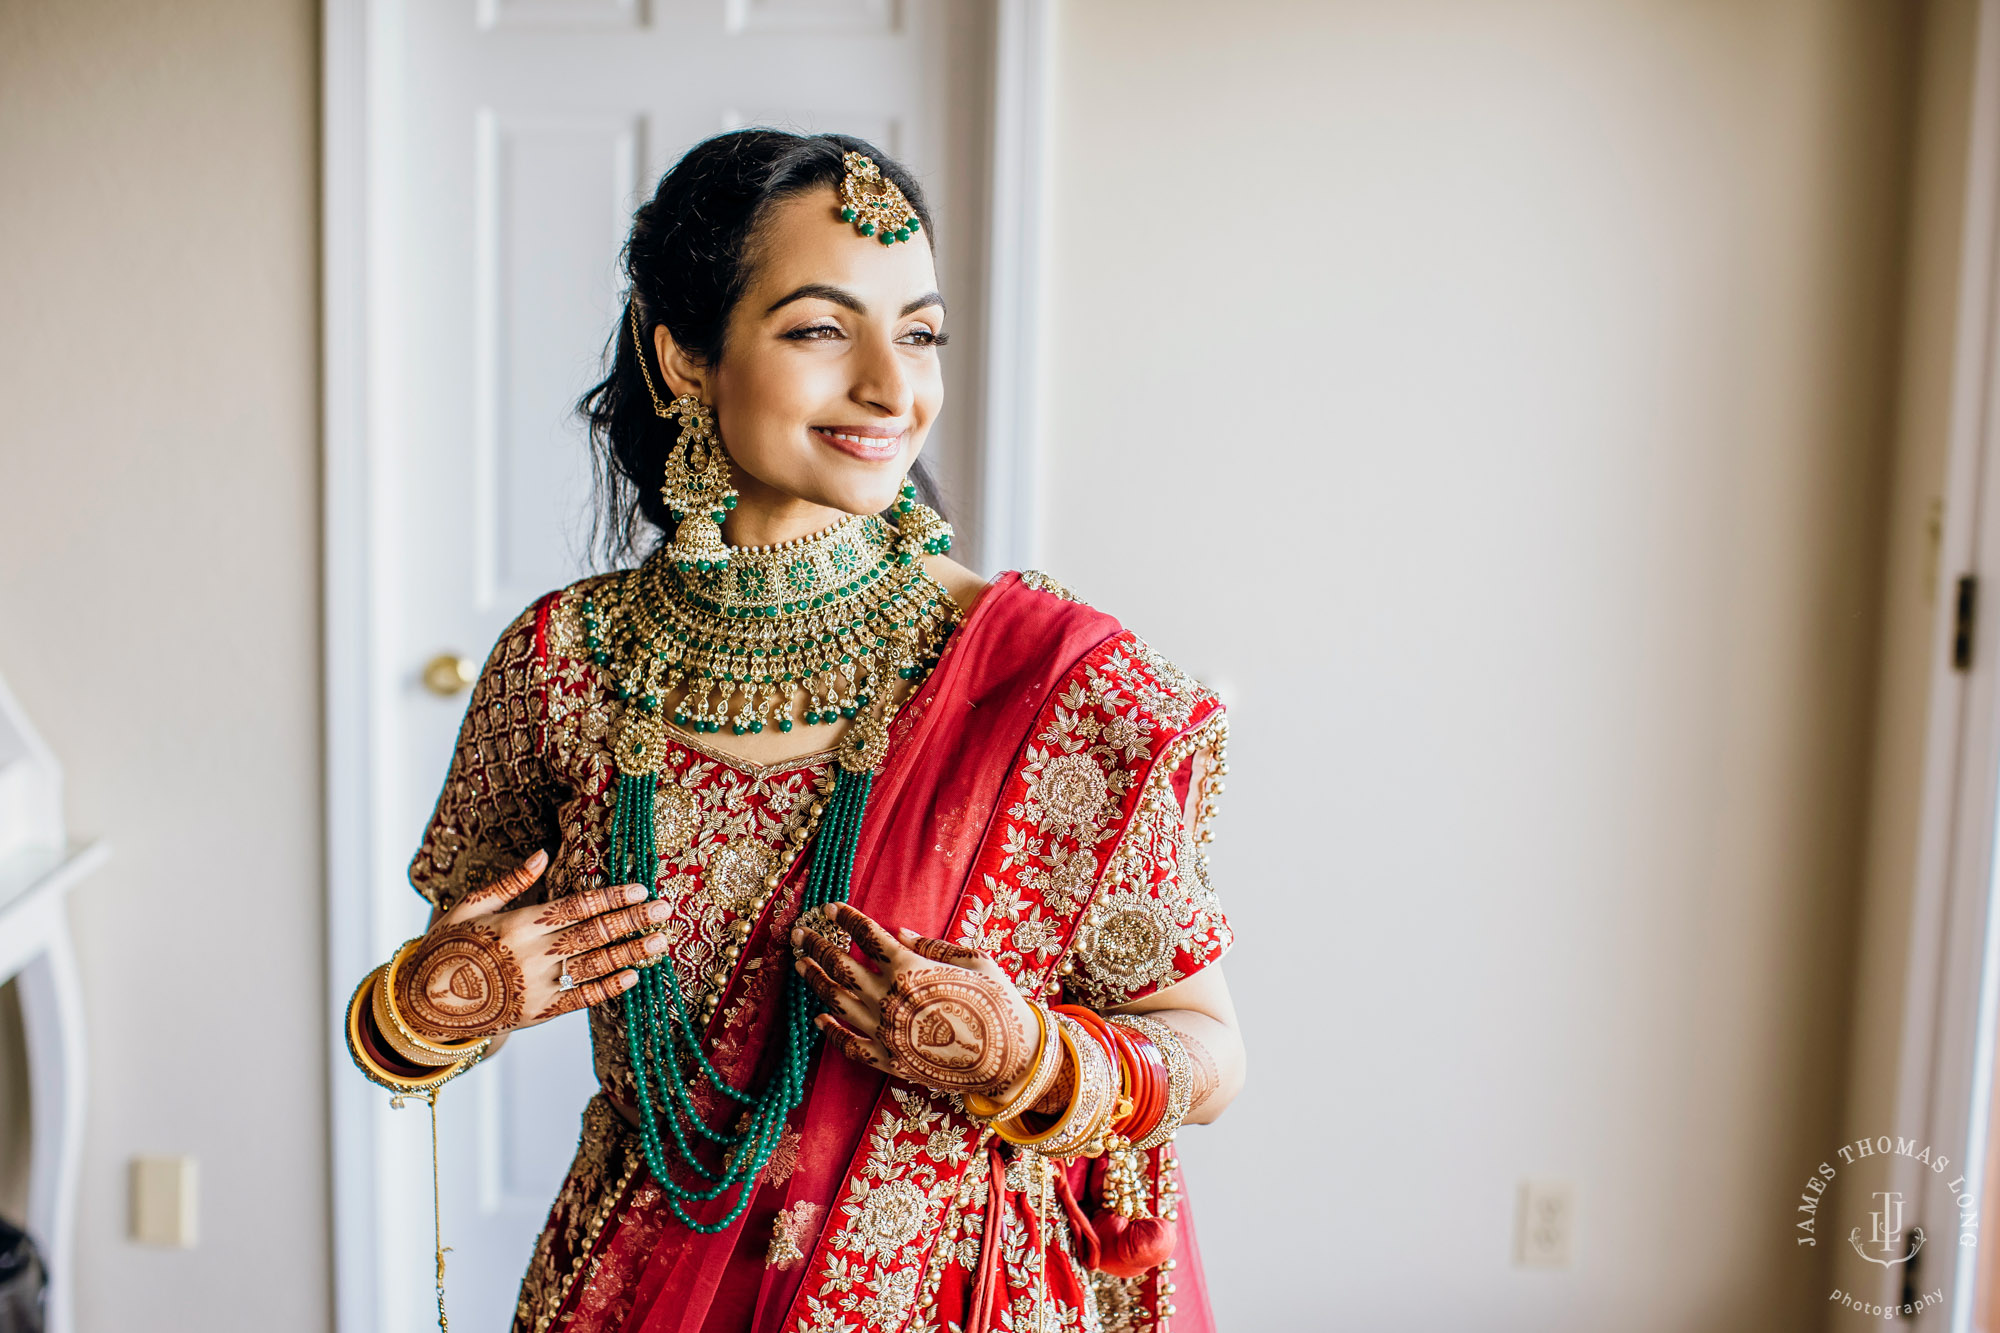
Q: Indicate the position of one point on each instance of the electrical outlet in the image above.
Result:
(1545, 1228)
(164, 1201)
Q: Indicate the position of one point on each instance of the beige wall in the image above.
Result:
(158, 588)
(1496, 399)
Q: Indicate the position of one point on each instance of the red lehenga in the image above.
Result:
(1031, 805)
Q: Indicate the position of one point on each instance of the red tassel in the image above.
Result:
(986, 1281)
(1131, 1248)
(1079, 1221)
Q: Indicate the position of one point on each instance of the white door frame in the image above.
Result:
(1945, 1069)
(357, 679)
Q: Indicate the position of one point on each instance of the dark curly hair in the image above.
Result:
(687, 263)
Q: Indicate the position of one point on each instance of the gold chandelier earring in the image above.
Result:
(920, 529)
(696, 483)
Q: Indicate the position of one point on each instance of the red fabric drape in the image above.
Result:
(953, 747)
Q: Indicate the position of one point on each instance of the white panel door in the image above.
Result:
(511, 140)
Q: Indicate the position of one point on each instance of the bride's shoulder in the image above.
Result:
(965, 586)
(1128, 666)
(558, 618)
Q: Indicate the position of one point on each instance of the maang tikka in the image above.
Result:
(696, 483)
(874, 203)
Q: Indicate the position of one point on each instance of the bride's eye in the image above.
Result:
(923, 337)
(808, 332)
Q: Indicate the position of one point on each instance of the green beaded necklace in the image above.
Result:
(828, 615)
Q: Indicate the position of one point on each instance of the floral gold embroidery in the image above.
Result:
(675, 819)
(790, 1230)
(736, 873)
(1040, 582)
(1069, 790)
(890, 1217)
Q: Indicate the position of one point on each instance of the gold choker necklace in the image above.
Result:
(828, 615)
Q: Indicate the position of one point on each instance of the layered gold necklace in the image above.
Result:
(827, 617)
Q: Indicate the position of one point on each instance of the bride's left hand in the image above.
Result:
(920, 1009)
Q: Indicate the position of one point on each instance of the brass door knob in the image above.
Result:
(448, 674)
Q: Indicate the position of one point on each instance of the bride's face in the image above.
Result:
(828, 380)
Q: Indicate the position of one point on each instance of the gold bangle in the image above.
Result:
(1180, 1076)
(1017, 1133)
(392, 1033)
(451, 1051)
(1099, 1072)
(400, 1084)
(1091, 1102)
(1041, 1074)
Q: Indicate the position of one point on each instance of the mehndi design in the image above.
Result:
(461, 984)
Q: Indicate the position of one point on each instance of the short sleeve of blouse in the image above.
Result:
(1156, 919)
(498, 805)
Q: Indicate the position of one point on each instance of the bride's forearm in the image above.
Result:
(1215, 1057)
(1201, 1013)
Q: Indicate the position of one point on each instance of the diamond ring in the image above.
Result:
(566, 981)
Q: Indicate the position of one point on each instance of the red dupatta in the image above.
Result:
(881, 1162)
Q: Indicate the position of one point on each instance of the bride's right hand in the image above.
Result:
(484, 969)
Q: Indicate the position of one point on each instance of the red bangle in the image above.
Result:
(1156, 1079)
(1101, 1032)
(1136, 1087)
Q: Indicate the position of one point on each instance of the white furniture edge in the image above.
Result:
(36, 954)
(350, 65)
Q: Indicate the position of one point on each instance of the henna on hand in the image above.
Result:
(843, 1004)
(461, 984)
(850, 1044)
(626, 953)
(835, 963)
(589, 993)
(574, 907)
(504, 889)
(941, 951)
(599, 931)
(954, 1029)
(871, 939)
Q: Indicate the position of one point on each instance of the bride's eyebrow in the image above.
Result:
(820, 291)
(840, 296)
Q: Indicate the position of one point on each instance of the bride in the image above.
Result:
(883, 882)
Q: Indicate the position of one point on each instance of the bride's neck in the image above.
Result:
(770, 518)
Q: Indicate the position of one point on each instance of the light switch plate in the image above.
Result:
(1545, 1227)
(164, 1201)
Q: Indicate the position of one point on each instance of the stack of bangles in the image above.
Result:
(385, 1048)
(1129, 1086)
